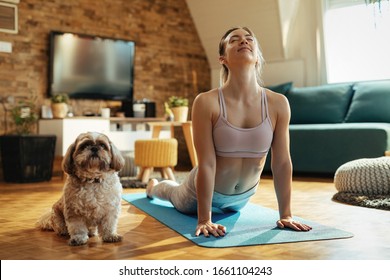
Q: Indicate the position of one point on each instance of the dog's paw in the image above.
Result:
(112, 238)
(61, 230)
(63, 233)
(78, 240)
(92, 232)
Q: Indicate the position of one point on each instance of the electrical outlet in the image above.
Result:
(10, 100)
(5, 47)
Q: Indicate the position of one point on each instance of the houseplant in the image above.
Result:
(59, 105)
(26, 156)
(179, 108)
(24, 116)
(375, 2)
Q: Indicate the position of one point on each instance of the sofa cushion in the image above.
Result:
(281, 88)
(322, 148)
(320, 104)
(370, 103)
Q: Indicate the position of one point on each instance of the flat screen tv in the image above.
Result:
(91, 67)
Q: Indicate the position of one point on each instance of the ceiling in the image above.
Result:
(289, 33)
(213, 17)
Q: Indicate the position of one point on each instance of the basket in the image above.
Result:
(27, 158)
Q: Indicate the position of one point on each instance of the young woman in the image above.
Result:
(234, 127)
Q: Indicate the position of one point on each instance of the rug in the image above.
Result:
(371, 201)
(132, 183)
(253, 225)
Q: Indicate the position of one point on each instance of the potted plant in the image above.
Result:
(26, 156)
(59, 105)
(24, 116)
(179, 108)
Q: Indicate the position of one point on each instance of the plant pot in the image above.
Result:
(60, 110)
(27, 158)
(180, 114)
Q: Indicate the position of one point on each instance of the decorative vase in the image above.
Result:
(59, 110)
(180, 114)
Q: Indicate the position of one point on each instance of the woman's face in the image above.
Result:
(239, 45)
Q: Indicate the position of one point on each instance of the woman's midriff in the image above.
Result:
(237, 175)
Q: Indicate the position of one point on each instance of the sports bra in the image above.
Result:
(233, 141)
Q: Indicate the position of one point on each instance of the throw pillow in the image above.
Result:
(370, 103)
(319, 104)
(281, 88)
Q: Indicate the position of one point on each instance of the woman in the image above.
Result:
(234, 127)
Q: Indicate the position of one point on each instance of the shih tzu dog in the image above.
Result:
(91, 200)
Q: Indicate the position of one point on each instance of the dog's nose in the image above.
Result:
(94, 150)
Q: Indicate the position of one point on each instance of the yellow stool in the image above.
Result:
(152, 153)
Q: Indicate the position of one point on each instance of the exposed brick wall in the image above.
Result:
(170, 59)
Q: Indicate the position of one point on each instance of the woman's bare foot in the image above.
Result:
(149, 187)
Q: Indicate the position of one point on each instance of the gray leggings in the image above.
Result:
(183, 196)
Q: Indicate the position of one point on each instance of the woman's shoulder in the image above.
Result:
(208, 97)
(206, 103)
(278, 105)
(276, 98)
(207, 94)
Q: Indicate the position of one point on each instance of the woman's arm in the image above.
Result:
(202, 122)
(281, 164)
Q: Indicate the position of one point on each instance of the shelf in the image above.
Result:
(135, 120)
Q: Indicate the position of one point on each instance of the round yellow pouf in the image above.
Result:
(151, 153)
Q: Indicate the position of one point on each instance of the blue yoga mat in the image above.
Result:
(253, 225)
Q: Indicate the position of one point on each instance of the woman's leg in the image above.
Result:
(182, 196)
(162, 190)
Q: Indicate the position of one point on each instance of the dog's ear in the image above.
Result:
(67, 162)
(117, 161)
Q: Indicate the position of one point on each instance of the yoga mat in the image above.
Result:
(252, 225)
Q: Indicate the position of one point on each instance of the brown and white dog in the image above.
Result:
(91, 200)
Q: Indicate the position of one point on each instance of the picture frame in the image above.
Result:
(8, 18)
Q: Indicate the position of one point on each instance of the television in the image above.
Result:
(91, 67)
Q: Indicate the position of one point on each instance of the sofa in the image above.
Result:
(336, 123)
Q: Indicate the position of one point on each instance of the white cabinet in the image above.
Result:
(123, 132)
(68, 129)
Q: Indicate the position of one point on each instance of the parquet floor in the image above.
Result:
(147, 239)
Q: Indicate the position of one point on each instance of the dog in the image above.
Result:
(91, 199)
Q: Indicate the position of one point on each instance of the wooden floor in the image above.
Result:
(147, 239)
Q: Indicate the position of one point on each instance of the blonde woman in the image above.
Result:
(234, 127)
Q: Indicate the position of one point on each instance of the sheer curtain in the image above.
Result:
(357, 40)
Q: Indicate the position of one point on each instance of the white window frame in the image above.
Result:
(13, 8)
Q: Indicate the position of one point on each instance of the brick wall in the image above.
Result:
(170, 59)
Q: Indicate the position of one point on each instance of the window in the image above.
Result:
(357, 40)
(8, 18)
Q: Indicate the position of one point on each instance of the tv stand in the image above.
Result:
(123, 132)
(90, 115)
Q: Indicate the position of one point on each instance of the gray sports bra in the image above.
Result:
(233, 141)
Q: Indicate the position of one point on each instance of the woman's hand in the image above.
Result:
(290, 223)
(208, 227)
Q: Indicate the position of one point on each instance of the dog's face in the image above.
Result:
(91, 153)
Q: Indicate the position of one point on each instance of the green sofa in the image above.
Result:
(336, 123)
